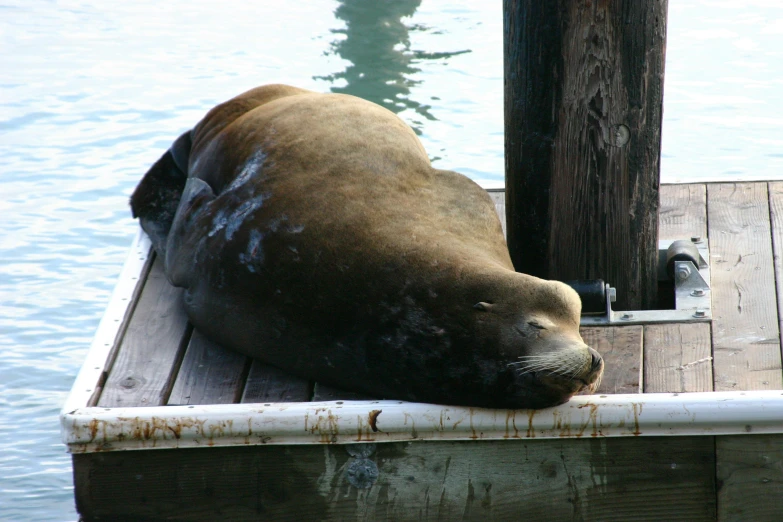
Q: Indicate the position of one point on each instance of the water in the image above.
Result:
(92, 93)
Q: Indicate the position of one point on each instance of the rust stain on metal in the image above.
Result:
(472, 428)
(414, 433)
(637, 410)
(325, 425)
(592, 418)
(560, 425)
(373, 419)
(531, 433)
(364, 431)
(511, 415)
(134, 428)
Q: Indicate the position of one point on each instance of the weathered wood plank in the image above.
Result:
(151, 349)
(209, 374)
(776, 217)
(269, 384)
(138, 286)
(750, 472)
(677, 358)
(746, 342)
(651, 478)
(621, 348)
(683, 211)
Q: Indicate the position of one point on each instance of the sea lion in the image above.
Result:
(310, 231)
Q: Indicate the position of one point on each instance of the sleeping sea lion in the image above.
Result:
(310, 231)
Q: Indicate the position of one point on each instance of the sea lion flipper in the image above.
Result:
(180, 151)
(157, 197)
(178, 258)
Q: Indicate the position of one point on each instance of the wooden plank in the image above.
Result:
(621, 348)
(683, 211)
(750, 470)
(645, 478)
(776, 217)
(677, 358)
(268, 384)
(151, 349)
(322, 392)
(138, 286)
(209, 374)
(746, 341)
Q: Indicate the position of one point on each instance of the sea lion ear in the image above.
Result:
(483, 306)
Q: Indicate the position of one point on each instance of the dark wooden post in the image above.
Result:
(583, 108)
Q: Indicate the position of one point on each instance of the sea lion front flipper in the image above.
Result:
(157, 197)
(178, 259)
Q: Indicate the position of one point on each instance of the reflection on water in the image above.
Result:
(377, 46)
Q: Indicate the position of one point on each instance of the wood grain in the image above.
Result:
(209, 374)
(645, 478)
(776, 217)
(621, 348)
(152, 348)
(683, 211)
(750, 474)
(677, 358)
(583, 106)
(269, 384)
(746, 343)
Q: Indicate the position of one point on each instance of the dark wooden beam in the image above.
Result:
(583, 95)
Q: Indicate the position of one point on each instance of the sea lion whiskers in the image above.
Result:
(553, 363)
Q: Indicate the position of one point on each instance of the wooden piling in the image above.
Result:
(583, 109)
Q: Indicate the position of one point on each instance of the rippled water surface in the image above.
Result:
(92, 93)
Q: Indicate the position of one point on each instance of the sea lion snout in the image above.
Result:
(558, 361)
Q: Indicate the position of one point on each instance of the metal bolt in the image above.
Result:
(697, 293)
(695, 239)
(627, 317)
(612, 293)
(683, 272)
(700, 313)
(362, 473)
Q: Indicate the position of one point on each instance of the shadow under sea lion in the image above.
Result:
(311, 232)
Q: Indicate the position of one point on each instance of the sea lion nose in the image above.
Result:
(596, 360)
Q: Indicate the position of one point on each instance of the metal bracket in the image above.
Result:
(692, 297)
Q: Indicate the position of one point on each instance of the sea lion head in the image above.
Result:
(535, 325)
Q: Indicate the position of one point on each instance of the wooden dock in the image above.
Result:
(158, 360)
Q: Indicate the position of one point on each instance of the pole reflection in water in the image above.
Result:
(377, 45)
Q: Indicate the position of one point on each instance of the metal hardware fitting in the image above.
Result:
(692, 297)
